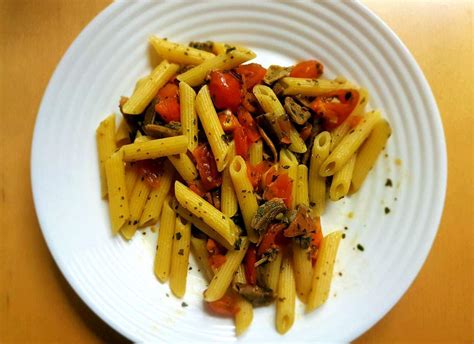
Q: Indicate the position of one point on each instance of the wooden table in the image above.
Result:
(37, 304)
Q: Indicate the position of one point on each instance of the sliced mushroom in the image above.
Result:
(150, 113)
(303, 100)
(297, 113)
(303, 223)
(315, 130)
(155, 130)
(258, 296)
(275, 73)
(269, 143)
(278, 88)
(266, 213)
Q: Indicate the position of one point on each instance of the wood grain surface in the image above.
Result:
(38, 305)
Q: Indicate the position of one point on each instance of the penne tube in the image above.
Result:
(289, 165)
(317, 184)
(165, 241)
(131, 176)
(178, 53)
(105, 135)
(189, 122)
(122, 136)
(256, 152)
(153, 149)
(272, 272)
(285, 305)
(220, 48)
(303, 270)
(185, 167)
(223, 278)
(349, 145)
(244, 316)
(180, 257)
(199, 251)
(311, 87)
(323, 270)
(142, 96)
(341, 180)
(301, 196)
(138, 200)
(228, 198)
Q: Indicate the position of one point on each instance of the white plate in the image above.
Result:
(115, 277)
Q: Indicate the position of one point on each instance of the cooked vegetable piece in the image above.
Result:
(275, 73)
(297, 113)
(258, 296)
(207, 168)
(266, 213)
(225, 90)
(307, 69)
(226, 306)
(157, 131)
(251, 74)
(335, 107)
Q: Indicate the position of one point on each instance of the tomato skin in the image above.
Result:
(280, 188)
(307, 69)
(247, 121)
(250, 260)
(269, 239)
(241, 143)
(167, 105)
(207, 168)
(226, 306)
(228, 121)
(225, 90)
(335, 113)
(252, 74)
(216, 261)
(151, 171)
(256, 172)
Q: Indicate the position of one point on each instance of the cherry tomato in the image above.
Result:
(241, 143)
(252, 74)
(335, 112)
(216, 261)
(227, 305)
(280, 188)
(207, 168)
(250, 260)
(225, 90)
(167, 105)
(246, 120)
(228, 121)
(151, 171)
(256, 172)
(269, 239)
(307, 69)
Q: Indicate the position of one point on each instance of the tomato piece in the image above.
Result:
(249, 261)
(246, 120)
(269, 176)
(280, 188)
(226, 306)
(197, 188)
(354, 121)
(167, 105)
(213, 247)
(256, 172)
(251, 74)
(241, 143)
(228, 121)
(303, 224)
(269, 239)
(335, 107)
(216, 261)
(207, 168)
(225, 90)
(151, 171)
(307, 69)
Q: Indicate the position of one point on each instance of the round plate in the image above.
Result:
(395, 224)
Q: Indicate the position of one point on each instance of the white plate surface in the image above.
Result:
(115, 277)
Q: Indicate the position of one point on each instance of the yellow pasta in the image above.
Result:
(223, 278)
(219, 48)
(303, 269)
(323, 270)
(122, 135)
(341, 180)
(184, 165)
(301, 197)
(178, 53)
(289, 165)
(105, 136)
(245, 195)
(272, 271)
(228, 198)
(311, 87)
(342, 130)
(244, 316)
(206, 212)
(271, 105)
(316, 183)
(212, 127)
(116, 188)
(131, 177)
(153, 149)
(196, 76)
(141, 97)
(349, 145)
(368, 153)
(189, 123)
(256, 152)
(285, 305)
(199, 251)
(180, 257)
(138, 200)
(152, 211)
(165, 241)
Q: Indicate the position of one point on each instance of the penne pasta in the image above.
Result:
(152, 149)
(349, 145)
(341, 180)
(244, 316)
(228, 198)
(199, 251)
(122, 136)
(131, 176)
(317, 183)
(165, 241)
(105, 135)
(196, 76)
(223, 278)
(138, 200)
(303, 270)
(272, 271)
(256, 152)
(220, 48)
(311, 87)
(152, 211)
(206, 212)
(142, 96)
(179, 53)
(185, 167)
(285, 305)
(212, 127)
(368, 153)
(245, 195)
(189, 122)
(323, 270)
(118, 200)
(289, 165)
(180, 257)
(301, 197)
